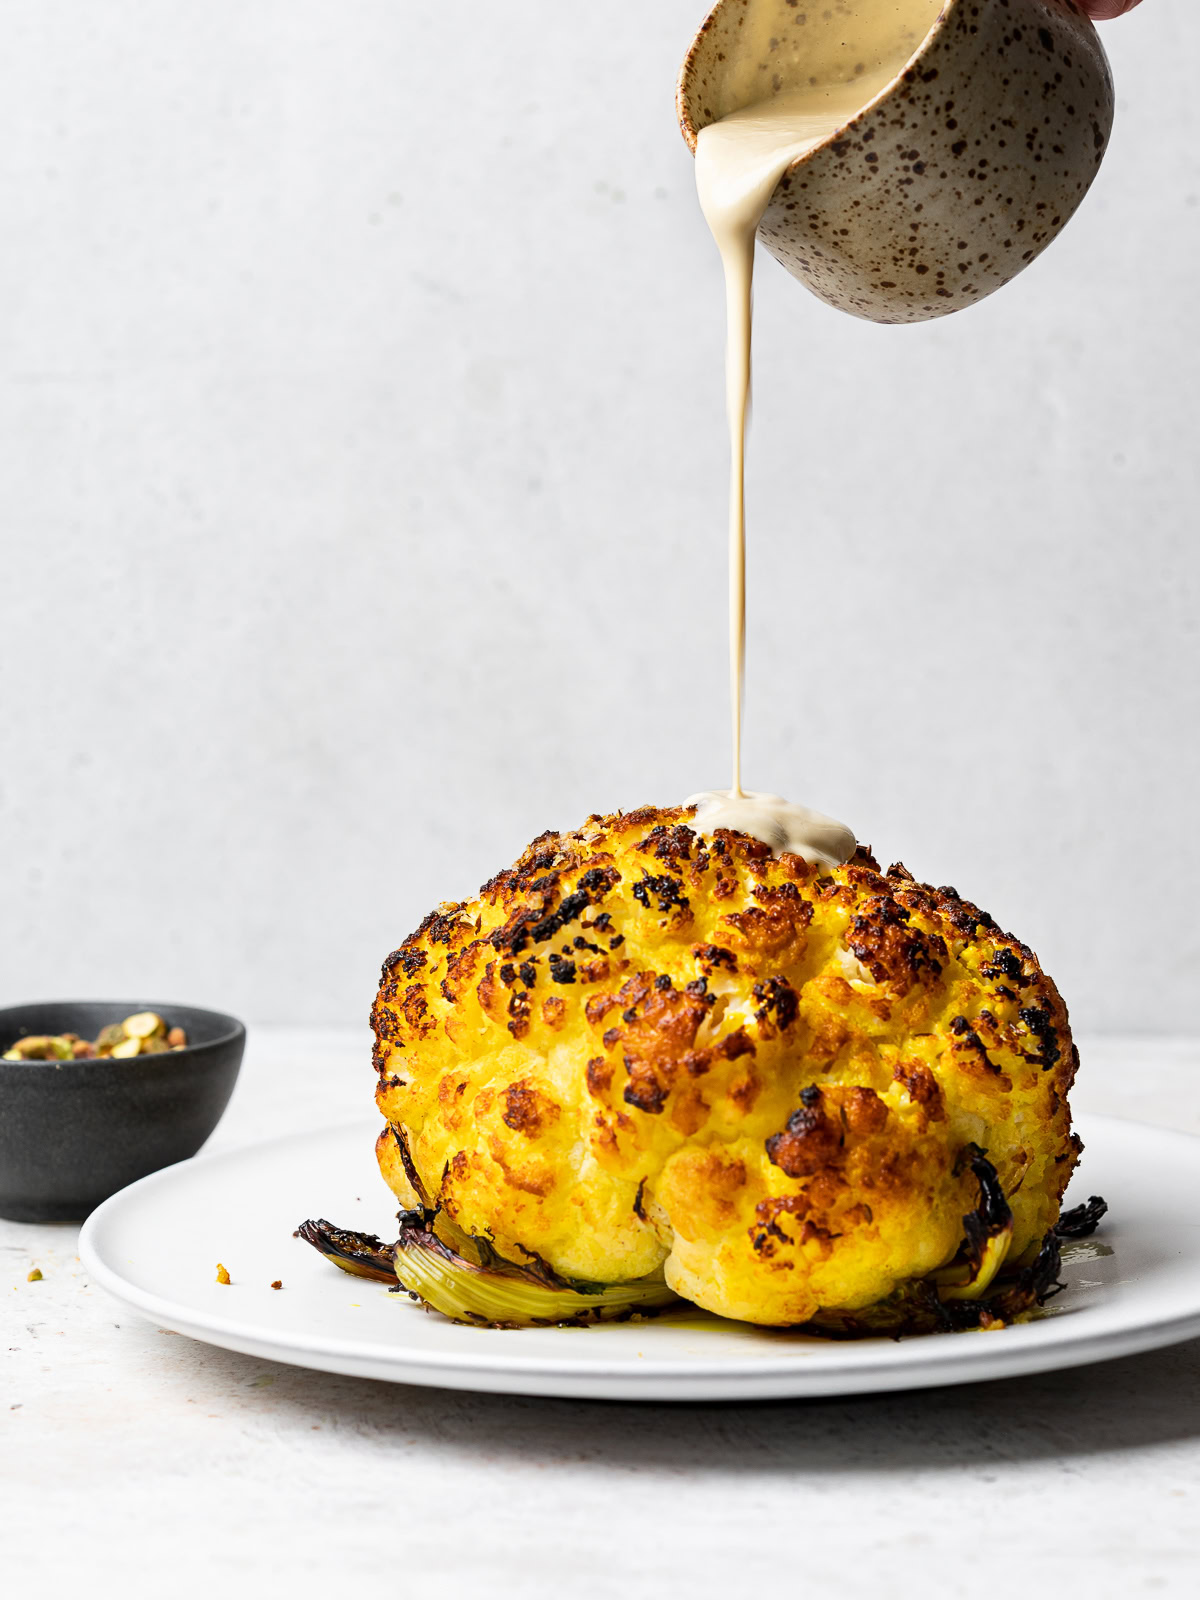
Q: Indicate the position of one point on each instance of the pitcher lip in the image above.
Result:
(691, 133)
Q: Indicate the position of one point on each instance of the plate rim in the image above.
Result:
(910, 1363)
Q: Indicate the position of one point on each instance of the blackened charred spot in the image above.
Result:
(407, 959)
(970, 1040)
(778, 1002)
(965, 916)
(508, 974)
(534, 925)
(1005, 964)
(389, 1029)
(767, 1225)
(646, 1093)
(670, 845)
(441, 927)
(868, 878)
(573, 906)
(528, 974)
(891, 949)
(514, 935)
(811, 1140)
(561, 970)
(761, 1239)
(599, 881)
(714, 956)
(785, 895)
(638, 1209)
(1040, 1023)
(663, 981)
(667, 891)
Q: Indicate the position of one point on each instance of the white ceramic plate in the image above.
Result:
(156, 1245)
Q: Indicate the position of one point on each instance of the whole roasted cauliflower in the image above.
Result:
(642, 1051)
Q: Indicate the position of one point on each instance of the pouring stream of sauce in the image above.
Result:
(739, 162)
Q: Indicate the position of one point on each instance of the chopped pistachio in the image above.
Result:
(145, 1033)
(34, 1275)
(40, 1047)
(144, 1025)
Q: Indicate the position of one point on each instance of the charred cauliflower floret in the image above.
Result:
(645, 1052)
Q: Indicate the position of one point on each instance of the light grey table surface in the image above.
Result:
(133, 1461)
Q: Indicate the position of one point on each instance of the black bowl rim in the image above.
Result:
(236, 1029)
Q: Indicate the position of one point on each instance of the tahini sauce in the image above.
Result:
(739, 162)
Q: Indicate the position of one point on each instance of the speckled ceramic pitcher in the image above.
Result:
(950, 182)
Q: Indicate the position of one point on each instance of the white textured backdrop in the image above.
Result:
(362, 504)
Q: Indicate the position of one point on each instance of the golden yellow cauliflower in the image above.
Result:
(642, 1048)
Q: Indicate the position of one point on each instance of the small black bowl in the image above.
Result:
(74, 1132)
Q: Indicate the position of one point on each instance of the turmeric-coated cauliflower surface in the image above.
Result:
(644, 1049)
